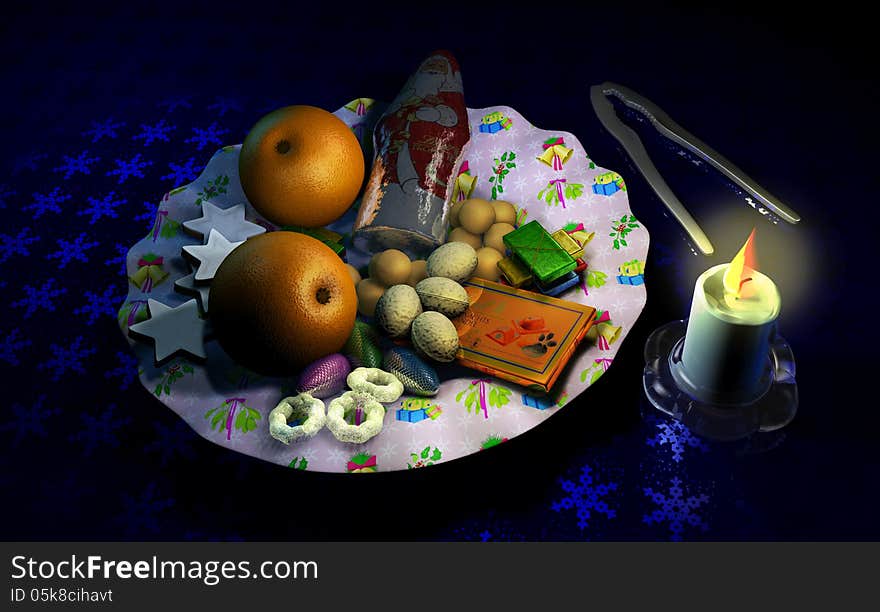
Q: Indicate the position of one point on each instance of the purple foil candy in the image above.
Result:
(324, 377)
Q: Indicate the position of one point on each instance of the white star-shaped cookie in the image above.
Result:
(230, 222)
(210, 255)
(188, 285)
(174, 329)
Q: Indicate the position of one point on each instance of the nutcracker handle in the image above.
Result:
(636, 150)
(676, 133)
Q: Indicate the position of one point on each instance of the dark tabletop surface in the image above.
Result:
(105, 109)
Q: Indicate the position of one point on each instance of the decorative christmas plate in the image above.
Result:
(546, 174)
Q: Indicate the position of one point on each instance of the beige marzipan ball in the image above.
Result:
(353, 272)
(476, 215)
(391, 267)
(419, 272)
(459, 234)
(505, 212)
(487, 264)
(495, 236)
(453, 213)
(368, 292)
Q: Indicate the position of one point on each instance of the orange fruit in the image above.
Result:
(301, 165)
(280, 301)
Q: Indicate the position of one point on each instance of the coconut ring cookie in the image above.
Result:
(347, 404)
(383, 386)
(304, 408)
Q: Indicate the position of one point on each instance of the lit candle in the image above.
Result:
(725, 358)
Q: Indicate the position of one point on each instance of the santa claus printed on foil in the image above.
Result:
(418, 143)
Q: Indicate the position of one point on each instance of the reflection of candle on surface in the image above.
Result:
(726, 347)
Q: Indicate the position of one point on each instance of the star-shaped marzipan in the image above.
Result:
(210, 255)
(173, 329)
(230, 222)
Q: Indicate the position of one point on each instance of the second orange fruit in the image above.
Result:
(301, 165)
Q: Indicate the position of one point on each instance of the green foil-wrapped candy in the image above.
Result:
(362, 348)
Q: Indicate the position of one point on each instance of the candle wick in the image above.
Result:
(741, 283)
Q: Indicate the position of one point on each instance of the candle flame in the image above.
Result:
(739, 272)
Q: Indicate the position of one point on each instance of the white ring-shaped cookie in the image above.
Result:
(345, 405)
(304, 408)
(383, 386)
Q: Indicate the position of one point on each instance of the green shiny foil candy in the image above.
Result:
(362, 347)
(536, 248)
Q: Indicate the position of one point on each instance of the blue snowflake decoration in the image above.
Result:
(151, 133)
(99, 430)
(677, 436)
(29, 420)
(148, 216)
(172, 442)
(39, 298)
(99, 208)
(126, 370)
(97, 305)
(224, 104)
(676, 510)
(5, 194)
(104, 129)
(72, 250)
(16, 245)
(208, 136)
(76, 165)
(10, 345)
(183, 173)
(43, 203)
(127, 168)
(142, 513)
(68, 358)
(587, 497)
(173, 103)
(119, 260)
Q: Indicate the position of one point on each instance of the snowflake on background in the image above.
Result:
(586, 496)
(209, 136)
(173, 441)
(105, 304)
(151, 133)
(39, 298)
(68, 251)
(677, 436)
(676, 510)
(10, 344)
(183, 173)
(5, 194)
(224, 104)
(126, 369)
(173, 103)
(127, 168)
(47, 202)
(29, 420)
(100, 208)
(76, 165)
(103, 129)
(16, 245)
(149, 214)
(99, 430)
(68, 358)
(489, 529)
(142, 513)
(121, 254)
(28, 162)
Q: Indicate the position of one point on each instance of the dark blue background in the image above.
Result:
(789, 95)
